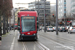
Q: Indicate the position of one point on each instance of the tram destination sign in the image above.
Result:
(27, 17)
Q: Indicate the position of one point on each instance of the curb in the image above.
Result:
(5, 34)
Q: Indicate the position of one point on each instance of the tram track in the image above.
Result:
(38, 44)
(24, 46)
(41, 46)
(59, 43)
(59, 38)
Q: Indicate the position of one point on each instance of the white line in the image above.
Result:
(34, 47)
(40, 46)
(61, 44)
(44, 46)
(65, 38)
(24, 47)
(12, 45)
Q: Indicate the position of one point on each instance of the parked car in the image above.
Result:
(54, 28)
(71, 30)
(50, 28)
(67, 27)
(62, 29)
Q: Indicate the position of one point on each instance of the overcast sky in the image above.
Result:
(28, 1)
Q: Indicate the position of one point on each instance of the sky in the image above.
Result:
(28, 1)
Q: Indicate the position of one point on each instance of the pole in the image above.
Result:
(65, 21)
(35, 4)
(54, 20)
(3, 21)
(38, 13)
(56, 17)
(7, 24)
(4, 24)
(0, 30)
(44, 16)
(14, 19)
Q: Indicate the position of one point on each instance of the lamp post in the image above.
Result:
(56, 17)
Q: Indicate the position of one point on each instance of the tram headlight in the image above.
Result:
(34, 34)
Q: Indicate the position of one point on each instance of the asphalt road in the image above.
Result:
(46, 41)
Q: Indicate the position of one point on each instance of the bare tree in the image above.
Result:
(5, 8)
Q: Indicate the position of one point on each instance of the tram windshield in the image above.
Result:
(28, 24)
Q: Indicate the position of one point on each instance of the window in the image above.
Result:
(64, 7)
(28, 24)
(64, 2)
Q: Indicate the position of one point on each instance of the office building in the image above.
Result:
(39, 7)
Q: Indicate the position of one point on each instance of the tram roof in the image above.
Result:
(27, 13)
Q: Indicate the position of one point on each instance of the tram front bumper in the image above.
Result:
(28, 37)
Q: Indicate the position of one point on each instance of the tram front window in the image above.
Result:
(28, 24)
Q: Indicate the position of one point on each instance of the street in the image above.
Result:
(46, 41)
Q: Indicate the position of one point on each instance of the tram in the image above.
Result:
(27, 25)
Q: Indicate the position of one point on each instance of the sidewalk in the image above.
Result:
(7, 40)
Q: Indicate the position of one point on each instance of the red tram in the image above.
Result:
(27, 25)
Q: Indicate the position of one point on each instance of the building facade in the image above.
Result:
(39, 7)
(73, 8)
(64, 8)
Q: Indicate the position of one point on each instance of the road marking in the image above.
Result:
(24, 47)
(61, 44)
(12, 45)
(34, 47)
(66, 39)
(43, 47)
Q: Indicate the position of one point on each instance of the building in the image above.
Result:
(21, 5)
(64, 11)
(73, 8)
(64, 8)
(39, 7)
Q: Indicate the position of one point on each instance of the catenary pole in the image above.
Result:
(56, 17)
(44, 16)
(38, 13)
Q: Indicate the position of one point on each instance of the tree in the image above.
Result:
(0, 17)
(5, 11)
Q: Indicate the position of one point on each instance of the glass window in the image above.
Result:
(64, 7)
(28, 24)
(64, 2)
